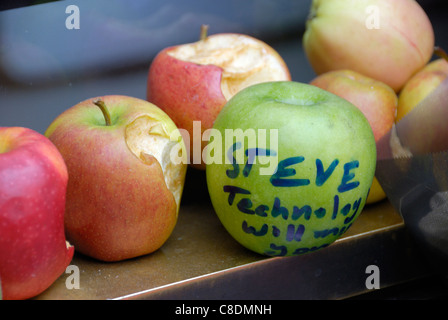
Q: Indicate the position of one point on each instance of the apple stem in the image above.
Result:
(100, 103)
(204, 32)
(441, 53)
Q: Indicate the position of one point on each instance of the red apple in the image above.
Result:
(382, 39)
(126, 181)
(375, 99)
(192, 82)
(421, 85)
(33, 182)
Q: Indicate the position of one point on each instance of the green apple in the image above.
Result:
(289, 167)
(126, 175)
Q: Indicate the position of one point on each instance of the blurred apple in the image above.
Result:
(33, 183)
(385, 40)
(421, 85)
(376, 100)
(126, 172)
(423, 130)
(192, 82)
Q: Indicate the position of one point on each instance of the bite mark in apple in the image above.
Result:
(243, 60)
(148, 139)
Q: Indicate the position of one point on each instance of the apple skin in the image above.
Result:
(118, 204)
(189, 92)
(421, 85)
(311, 123)
(376, 100)
(338, 36)
(186, 92)
(33, 182)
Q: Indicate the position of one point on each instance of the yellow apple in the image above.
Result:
(385, 40)
(421, 85)
(192, 82)
(376, 100)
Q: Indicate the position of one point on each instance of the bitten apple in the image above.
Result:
(376, 100)
(192, 82)
(324, 157)
(126, 164)
(421, 85)
(385, 40)
(33, 182)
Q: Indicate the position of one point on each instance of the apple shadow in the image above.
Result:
(195, 187)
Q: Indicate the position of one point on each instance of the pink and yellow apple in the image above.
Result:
(33, 182)
(423, 130)
(386, 40)
(295, 173)
(421, 85)
(192, 82)
(376, 100)
(126, 171)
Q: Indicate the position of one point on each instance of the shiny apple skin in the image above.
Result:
(33, 183)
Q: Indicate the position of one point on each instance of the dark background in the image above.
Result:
(46, 68)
